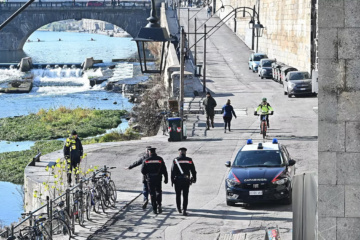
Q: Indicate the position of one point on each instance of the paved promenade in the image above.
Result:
(294, 124)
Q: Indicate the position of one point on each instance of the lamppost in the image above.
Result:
(150, 34)
(258, 33)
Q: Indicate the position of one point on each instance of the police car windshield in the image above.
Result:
(261, 158)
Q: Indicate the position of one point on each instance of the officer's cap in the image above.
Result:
(152, 150)
(148, 147)
(73, 132)
(182, 149)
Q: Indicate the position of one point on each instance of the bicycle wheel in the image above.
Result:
(105, 196)
(98, 202)
(80, 213)
(113, 193)
(60, 229)
(26, 233)
(44, 234)
(88, 205)
(264, 130)
(74, 214)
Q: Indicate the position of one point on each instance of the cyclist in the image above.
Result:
(264, 108)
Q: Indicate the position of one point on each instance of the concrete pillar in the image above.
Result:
(25, 64)
(339, 120)
(89, 62)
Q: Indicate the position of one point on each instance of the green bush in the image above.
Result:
(12, 164)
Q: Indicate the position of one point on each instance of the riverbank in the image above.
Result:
(57, 123)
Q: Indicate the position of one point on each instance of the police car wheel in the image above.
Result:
(229, 203)
(288, 200)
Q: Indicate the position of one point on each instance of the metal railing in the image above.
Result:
(77, 5)
(9, 232)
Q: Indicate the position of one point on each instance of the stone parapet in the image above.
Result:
(287, 33)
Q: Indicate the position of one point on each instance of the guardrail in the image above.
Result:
(71, 4)
(9, 232)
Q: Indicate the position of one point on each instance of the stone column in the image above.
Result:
(339, 119)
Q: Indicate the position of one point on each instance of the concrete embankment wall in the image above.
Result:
(172, 62)
(287, 33)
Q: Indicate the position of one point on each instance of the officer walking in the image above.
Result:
(153, 168)
(180, 176)
(73, 153)
(145, 188)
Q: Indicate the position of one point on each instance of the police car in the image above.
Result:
(260, 172)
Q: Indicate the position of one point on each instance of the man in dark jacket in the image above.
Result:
(209, 104)
(145, 188)
(153, 168)
(73, 153)
(180, 176)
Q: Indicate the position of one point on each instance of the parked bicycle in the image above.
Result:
(61, 213)
(45, 229)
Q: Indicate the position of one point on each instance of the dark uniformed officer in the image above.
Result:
(180, 176)
(73, 152)
(145, 188)
(153, 168)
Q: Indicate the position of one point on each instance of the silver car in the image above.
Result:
(297, 83)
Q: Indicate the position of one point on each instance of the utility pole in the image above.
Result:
(204, 62)
(195, 44)
(253, 30)
(257, 38)
(182, 68)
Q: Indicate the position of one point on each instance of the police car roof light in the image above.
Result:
(275, 141)
(260, 146)
(249, 141)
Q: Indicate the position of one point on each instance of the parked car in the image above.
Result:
(260, 172)
(254, 60)
(70, 4)
(94, 4)
(297, 83)
(284, 71)
(276, 70)
(264, 69)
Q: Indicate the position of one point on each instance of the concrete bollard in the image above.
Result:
(26, 64)
(89, 62)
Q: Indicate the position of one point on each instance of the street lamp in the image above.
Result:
(152, 33)
(259, 29)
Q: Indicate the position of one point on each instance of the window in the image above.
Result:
(299, 76)
(261, 158)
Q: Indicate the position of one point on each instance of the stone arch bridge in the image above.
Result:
(130, 16)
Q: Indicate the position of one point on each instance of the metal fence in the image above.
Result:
(9, 232)
(71, 4)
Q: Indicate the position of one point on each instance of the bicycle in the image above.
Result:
(106, 187)
(44, 229)
(78, 208)
(60, 213)
(263, 126)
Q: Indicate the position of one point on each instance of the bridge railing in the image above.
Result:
(89, 5)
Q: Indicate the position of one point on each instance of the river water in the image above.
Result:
(60, 87)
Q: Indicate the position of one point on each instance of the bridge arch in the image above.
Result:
(15, 34)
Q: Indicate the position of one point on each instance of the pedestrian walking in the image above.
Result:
(145, 187)
(209, 8)
(73, 153)
(181, 169)
(210, 105)
(227, 111)
(153, 168)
